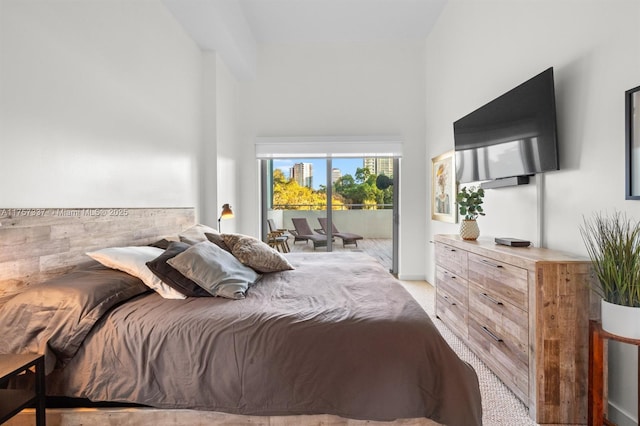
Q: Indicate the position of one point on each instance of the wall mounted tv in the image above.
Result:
(510, 138)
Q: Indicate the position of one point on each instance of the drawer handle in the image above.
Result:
(491, 299)
(447, 274)
(493, 336)
(447, 299)
(495, 265)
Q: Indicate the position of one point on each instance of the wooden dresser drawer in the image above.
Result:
(453, 284)
(499, 330)
(502, 320)
(500, 356)
(452, 259)
(499, 278)
(452, 313)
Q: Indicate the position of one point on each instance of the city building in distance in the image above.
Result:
(379, 165)
(303, 174)
(335, 174)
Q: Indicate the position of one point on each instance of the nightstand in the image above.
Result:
(12, 401)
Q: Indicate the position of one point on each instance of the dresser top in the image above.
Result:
(525, 257)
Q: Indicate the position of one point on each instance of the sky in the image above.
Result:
(346, 166)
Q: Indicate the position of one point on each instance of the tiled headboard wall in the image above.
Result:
(36, 244)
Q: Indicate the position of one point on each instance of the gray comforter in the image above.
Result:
(337, 335)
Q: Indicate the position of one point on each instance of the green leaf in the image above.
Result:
(469, 200)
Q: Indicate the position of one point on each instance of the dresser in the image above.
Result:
(524, 312)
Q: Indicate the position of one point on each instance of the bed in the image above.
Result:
(336, 335)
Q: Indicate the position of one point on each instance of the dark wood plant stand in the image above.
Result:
(597, 395)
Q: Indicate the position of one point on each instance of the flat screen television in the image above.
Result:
(513, 135)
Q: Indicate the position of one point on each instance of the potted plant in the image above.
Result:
(470, 201)
(613, 244)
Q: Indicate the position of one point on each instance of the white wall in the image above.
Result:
(100, 105)
(342, 90)
(227, 135)
(219, 173)
(209, 158)
(479, 50)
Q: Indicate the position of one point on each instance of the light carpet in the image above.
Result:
(499, 405)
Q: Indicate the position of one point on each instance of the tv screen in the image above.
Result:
(513, 135)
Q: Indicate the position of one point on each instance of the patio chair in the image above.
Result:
(303, 232)
(277, 238)
(347, 237)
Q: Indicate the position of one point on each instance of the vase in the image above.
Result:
(620, 320)
(469, 229)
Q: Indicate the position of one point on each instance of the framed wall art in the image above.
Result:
(443, 188)
(632, 132)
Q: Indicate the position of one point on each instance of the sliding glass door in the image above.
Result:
(350, 203)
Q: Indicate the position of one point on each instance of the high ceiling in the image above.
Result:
(301, 21)
(234, 28)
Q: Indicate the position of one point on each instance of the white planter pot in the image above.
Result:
(469, 229)
(620, 320)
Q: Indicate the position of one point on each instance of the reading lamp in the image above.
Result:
(227, 213)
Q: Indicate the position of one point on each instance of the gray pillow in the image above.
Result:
(215, 270)
(55, 317)
(170, 276)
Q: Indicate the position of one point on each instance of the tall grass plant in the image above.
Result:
(613, 243)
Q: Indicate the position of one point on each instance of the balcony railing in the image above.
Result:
(335, 207)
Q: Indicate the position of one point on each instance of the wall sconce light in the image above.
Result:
(227, 213)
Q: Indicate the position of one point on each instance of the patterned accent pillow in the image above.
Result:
(256, 254)
(217, 240)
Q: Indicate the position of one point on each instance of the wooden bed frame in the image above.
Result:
(37, 244)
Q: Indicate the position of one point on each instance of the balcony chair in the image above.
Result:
(347, 237)
(277, 238)
(303, 232)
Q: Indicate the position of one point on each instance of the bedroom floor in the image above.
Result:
(500, 406)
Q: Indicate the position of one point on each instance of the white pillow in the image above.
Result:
(132, 260)
(195, 234)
